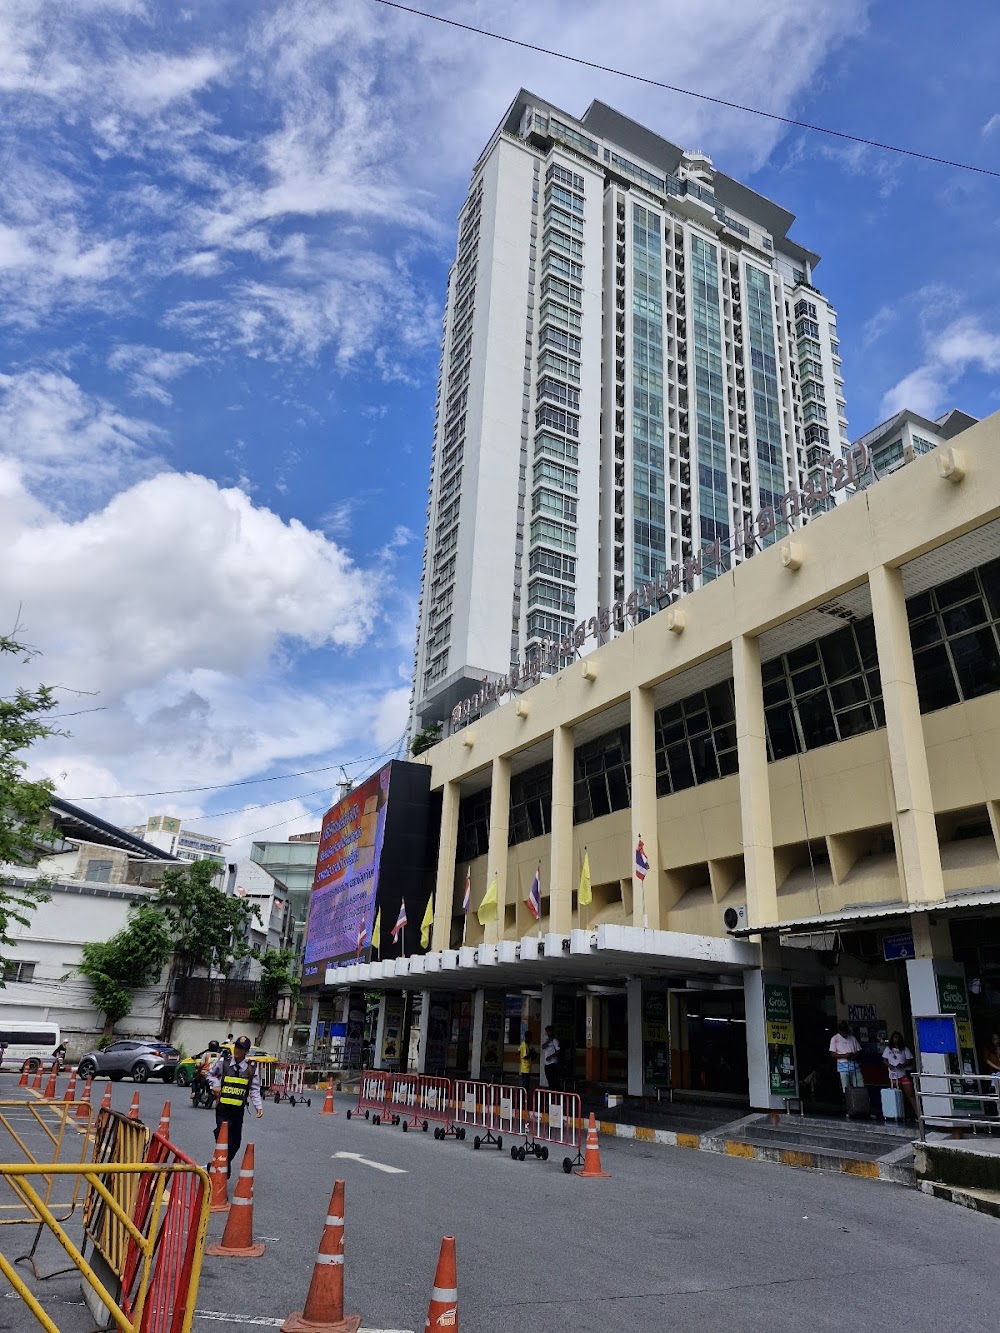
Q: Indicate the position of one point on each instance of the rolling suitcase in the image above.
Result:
(893, 1107)
(858, 1103)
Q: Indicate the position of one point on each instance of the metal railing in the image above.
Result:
(950, 1101)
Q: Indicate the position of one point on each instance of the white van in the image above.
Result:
(28, 1045)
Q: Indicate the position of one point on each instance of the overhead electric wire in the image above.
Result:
(689, 92)
(243, 782)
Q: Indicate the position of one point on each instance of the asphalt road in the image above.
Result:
(675, 1240)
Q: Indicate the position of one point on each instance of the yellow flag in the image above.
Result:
(585, 895)
(377, 930)
(425, 925)
(487, 909)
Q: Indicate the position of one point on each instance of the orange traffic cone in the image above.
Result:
(71, 1090)
(163, 1128)
(592, 1155)
(83, 1105)
(328, 1103)
(219, 1171)
(237, 1239)
(324, 1310)
(23, 1080)
(50, 1087)
(106, 1099)
(37, 1084)
(133, 1110)
(443, 1309)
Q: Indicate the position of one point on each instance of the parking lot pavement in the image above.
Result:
(674, 1240)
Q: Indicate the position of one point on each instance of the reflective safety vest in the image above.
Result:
(234, 1089)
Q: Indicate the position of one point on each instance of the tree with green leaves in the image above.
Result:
(129, 961)
(279, 973)
(23, 805)
(424, 739)
(209, 928)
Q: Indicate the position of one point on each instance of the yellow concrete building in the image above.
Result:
(811, 740)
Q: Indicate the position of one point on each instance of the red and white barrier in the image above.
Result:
(289, 1083)
(556, 1121)
(493, 1108)
(434, 1103)
(372, 1095)
(401, 1100)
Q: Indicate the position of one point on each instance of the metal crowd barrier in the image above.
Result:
(557, 1121)
(156, 1289)
(471, 1096)
(289, 1084)
(434, 1103)
(944, 1089)
(371, 1095)
(401, 1100)
(43, 1133)
(494, 1108)
(118, 1141)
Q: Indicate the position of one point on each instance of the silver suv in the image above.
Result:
(142, 1060)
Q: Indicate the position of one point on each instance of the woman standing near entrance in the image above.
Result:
(899, 1061)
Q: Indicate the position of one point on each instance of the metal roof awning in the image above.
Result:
(864, 913)
(601, 955)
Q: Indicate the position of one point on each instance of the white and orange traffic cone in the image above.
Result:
(106, 1099)
(592, 1156)
(328, 1102)
(324, 1308)
(237, 1239)
(83, 1105)
(443, 1309)
(50, 1087)
(219, 1171)
(163, 1128)
(133, 1110)
(71, 1090)
(23, 1080)
(37, 1083)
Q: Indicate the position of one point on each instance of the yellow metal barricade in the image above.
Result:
(165, 1237)
(37, 1133)
(123, 1142)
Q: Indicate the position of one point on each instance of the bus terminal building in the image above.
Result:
(805, 750)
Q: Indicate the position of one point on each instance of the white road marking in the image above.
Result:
(222, 1317)
(366, 1161)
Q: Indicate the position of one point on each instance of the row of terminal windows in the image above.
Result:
(817, 694)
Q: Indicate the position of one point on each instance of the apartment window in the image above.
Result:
(920, 445)
(560, 365)
(557, 172)
(561, 198)
(806, 328)
(557, 392)
(553, 474)
(696, 739)
(550, 336)
(955, 634)
(545, 625)
(553, 534)
(553, 446)
(556, 596)
(602, 778)
(817, 435)
(99, 872)
(18, 971)
(556, 505)
(530, 804)
(553, 564)
(806, 308)
(556, 419)
(473, 826)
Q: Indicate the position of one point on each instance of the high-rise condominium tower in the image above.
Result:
(636, 373)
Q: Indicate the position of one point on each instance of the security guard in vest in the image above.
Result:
(235, 1081)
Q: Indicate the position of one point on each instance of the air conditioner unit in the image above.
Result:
(735, 918)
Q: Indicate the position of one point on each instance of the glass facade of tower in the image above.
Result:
(766, 392)
(710, 403)
(648, 490)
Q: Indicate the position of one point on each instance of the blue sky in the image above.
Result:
(224, 238)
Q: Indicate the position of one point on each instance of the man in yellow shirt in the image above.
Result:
(526, 1053)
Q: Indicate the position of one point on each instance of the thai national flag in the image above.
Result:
(400, 920)
(362, 935)
(641, 863)
(534, 898)
(467, 895)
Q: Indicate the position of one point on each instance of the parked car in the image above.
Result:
(142, 1060)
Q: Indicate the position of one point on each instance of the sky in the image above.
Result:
(225, 231)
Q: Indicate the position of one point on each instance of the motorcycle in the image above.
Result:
(201, 1093)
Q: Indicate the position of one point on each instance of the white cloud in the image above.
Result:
(991, 126)
(966, 344)
(150, 369)
(150, 81)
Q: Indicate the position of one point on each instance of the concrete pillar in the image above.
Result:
(379, 1034)
(499, 828)
(646, 895)
(478, 1014)
(313, 1022)
(755, 990)
(548, 996)
(444, 891)
(755, 794)
(633, 1000)
(561, 859)
(919, 853)
(423, 1029)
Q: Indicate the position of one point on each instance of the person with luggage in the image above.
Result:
(899, 1062)
(235, 1081)
(844, 1049)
